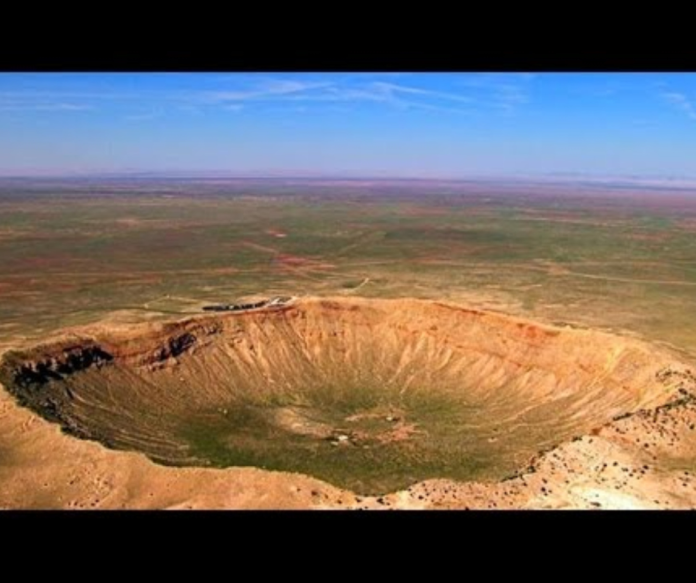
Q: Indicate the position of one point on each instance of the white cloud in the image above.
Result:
(394, 88)
(13, 106)
(190, 109)
(681, 101)
(144, 116)
(504, 92)
(269, 88)
(284, 90)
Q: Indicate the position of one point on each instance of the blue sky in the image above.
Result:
(377, 124)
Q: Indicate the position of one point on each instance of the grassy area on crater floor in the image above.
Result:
(366, 443)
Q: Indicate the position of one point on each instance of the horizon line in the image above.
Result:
(673, 179)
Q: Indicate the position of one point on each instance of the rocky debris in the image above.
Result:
(337, 439)
(175, 346)
(37, 370)
(668, 374)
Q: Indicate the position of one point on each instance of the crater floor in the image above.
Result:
(371, 396)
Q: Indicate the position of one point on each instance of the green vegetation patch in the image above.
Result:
(354, 438)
